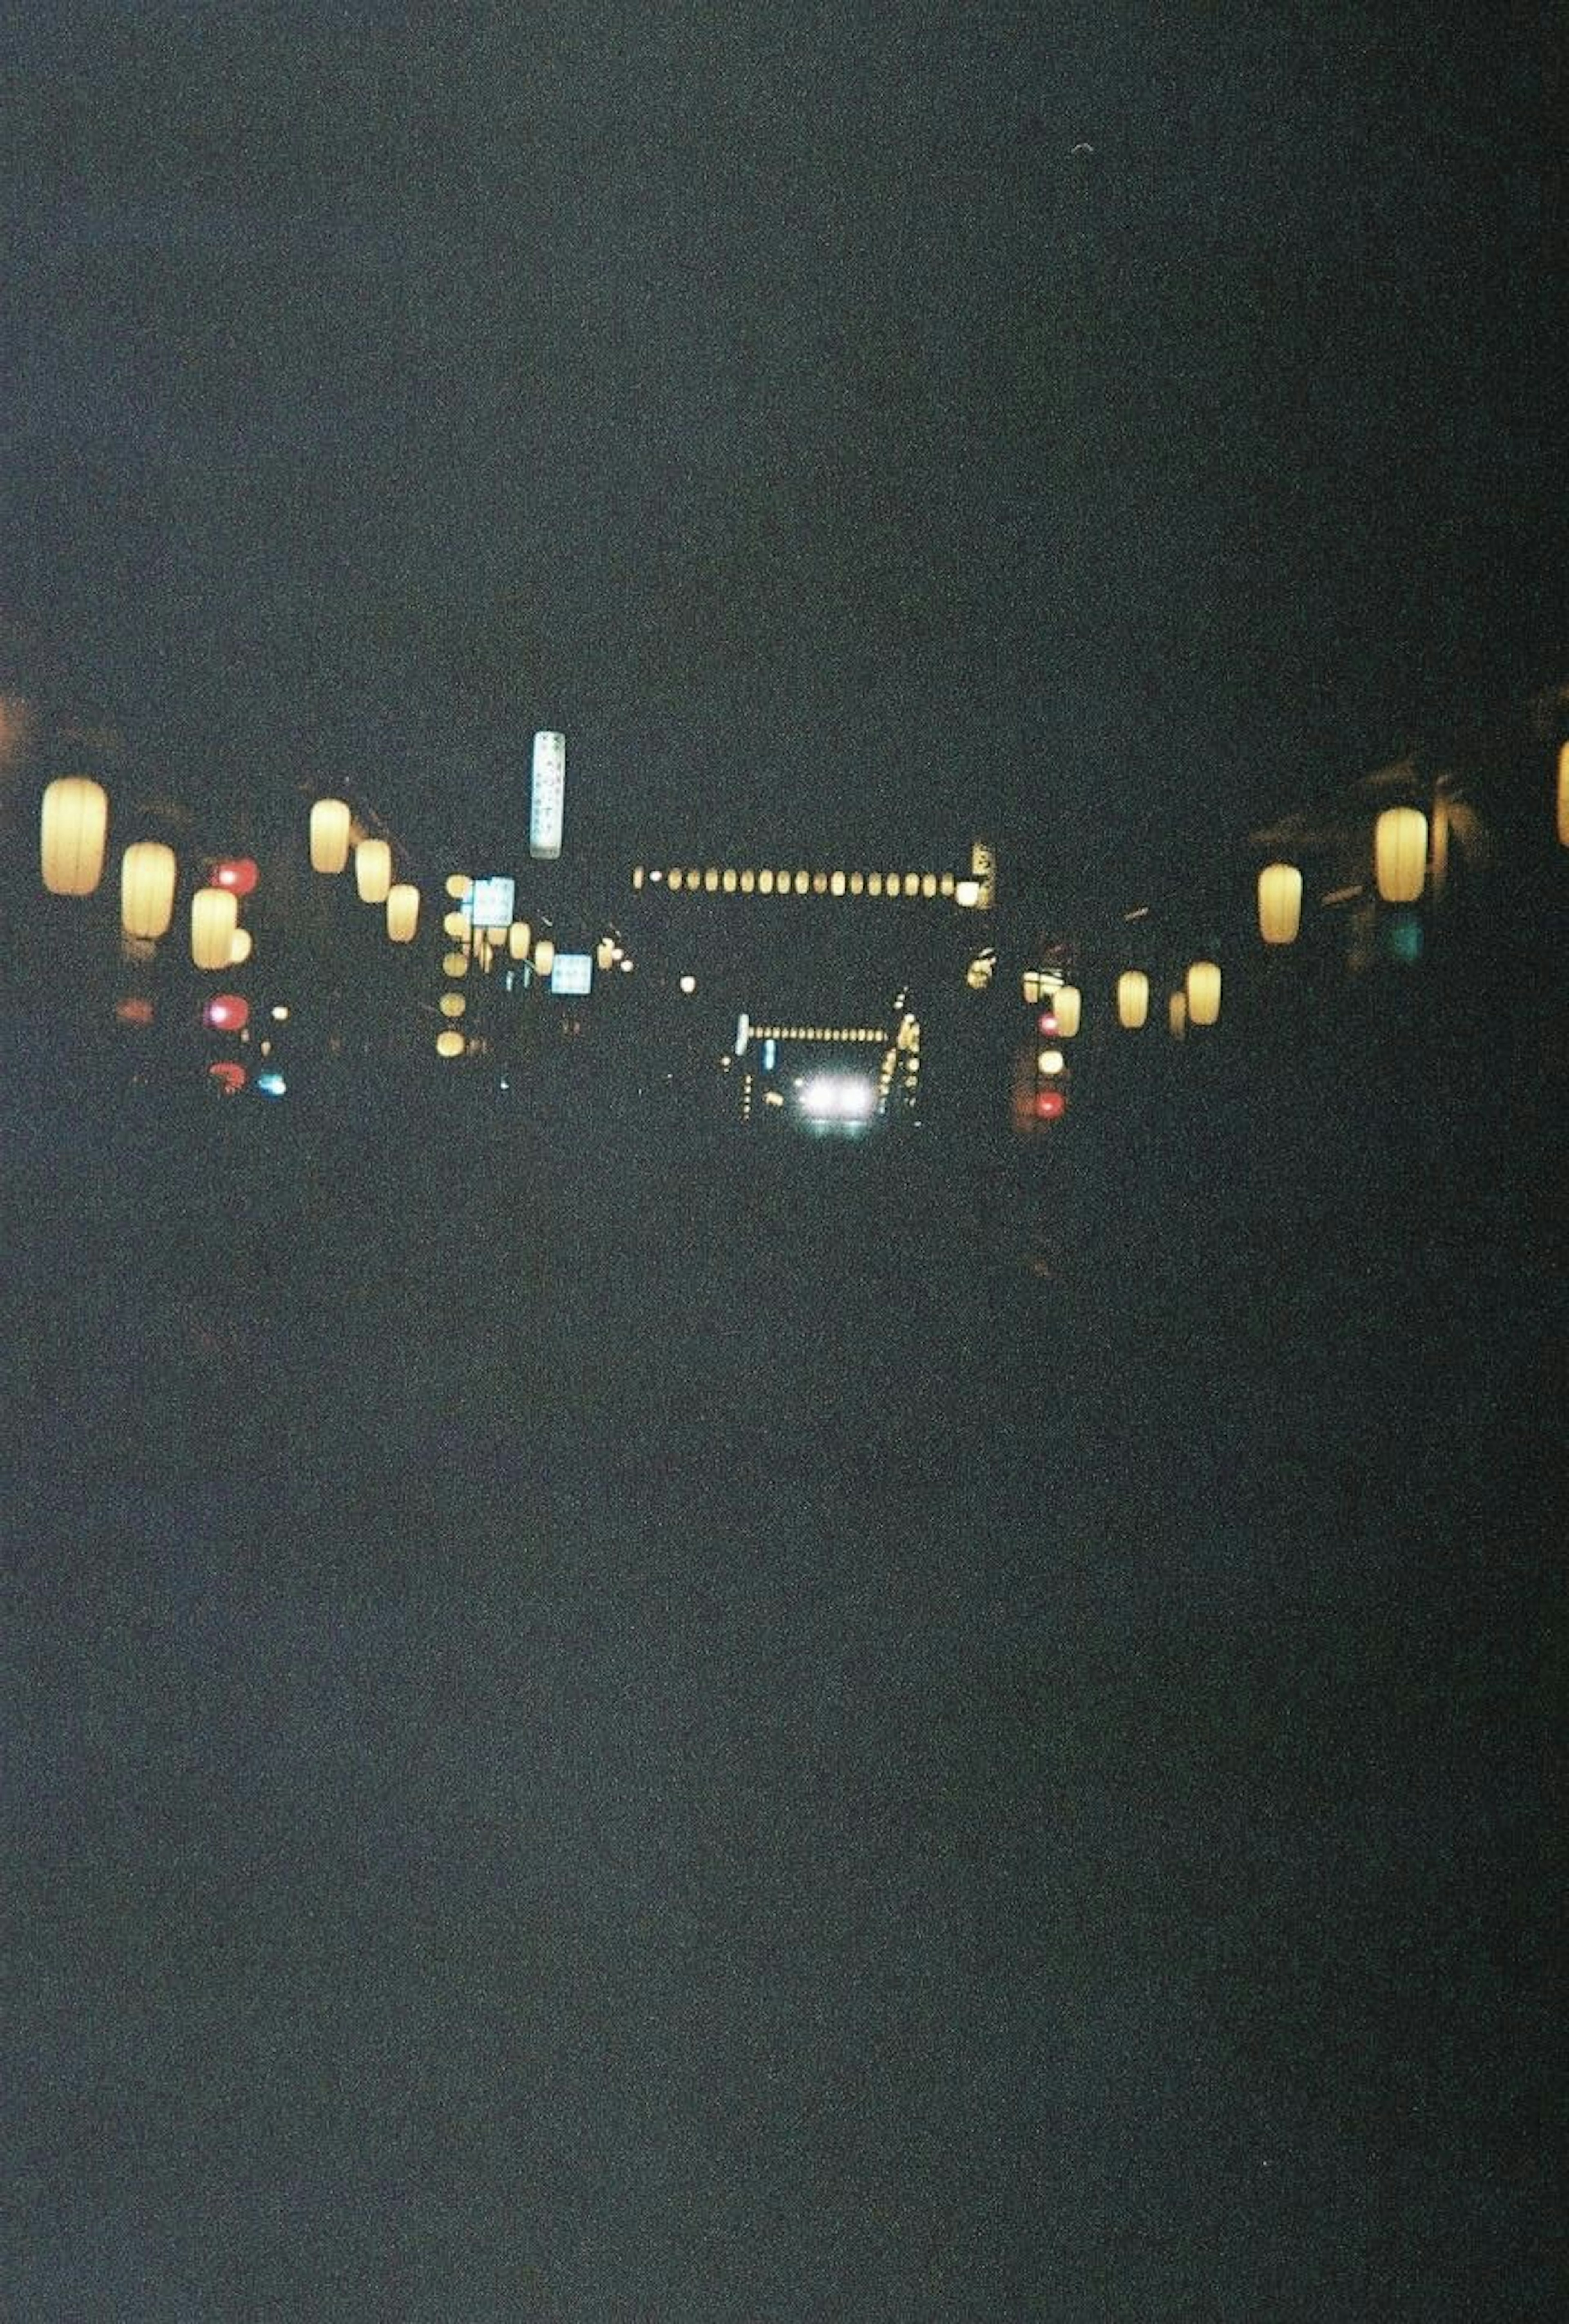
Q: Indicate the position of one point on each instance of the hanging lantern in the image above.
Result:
(73, 829)
(1066, 1010)
(238, 873)
(452, 1004)
(519, 937)
(373, 870)
(226, 1012)
(1279, 903)
(213, 928)
(456, 926)
(1177, 1016)
(459, 886)
(1132, 999)
(330, 833)
(402, 912)
(240, 949)
(1400, 854)
(1564, 794)
(451, 1043)
(604, 953)
(147, 877)
(1049, 1105)
(544, 956)
(1203, 993)
(1049, 1061)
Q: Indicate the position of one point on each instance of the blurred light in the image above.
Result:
(688, 985)
(1050, 1061)
(450, 1045)
(1177, 1016)
(402, 912)
(1203, 993)
(134, 1009)
(329, 835)
(1403, 937)
(213, 928)
(226, 1012)
(455, 964)
(1279, 903)
(1047, 1021)
(457, 885)
(1563, 807)
(968, 893)
(271, 1084)
(1050, 1104)
(229, 1076)
(73, 830)
(452, 1004)
(838, 1097)
(237, 873)
(1132, 999)
(281, 1014)
(1066, 1008)
(147, 879)
(1400, 854)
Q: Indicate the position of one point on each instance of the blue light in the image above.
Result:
(769, 1052)
(271, 1084)
(1403, 937)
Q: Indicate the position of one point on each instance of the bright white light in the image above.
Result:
(271, 1084)
(688, 984)
(838, 1097)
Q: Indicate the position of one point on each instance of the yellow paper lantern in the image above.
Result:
(1279, 903)
(928, 884)
(1066, 1004)
(1132, 999)
(1400, 854)
(748, 882)
(459, 886)
(519, 937)
(74, 828)
(329, 835)
(373, 870)
(711, 880)
(147, 878)
(819, 883)
(451, 1043)
(214, 915)
(1203, 993)
(452, 1004)
(1050, 1061)
(402, 912)
(544, 956)
(803, 881)
(727, 880)
(857, 883)
(241, 946)
(455, 964)
(1177, 1016)
(1564, 794)
(455, 925)
(835, 883)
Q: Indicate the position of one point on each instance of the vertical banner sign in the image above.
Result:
(547, 797)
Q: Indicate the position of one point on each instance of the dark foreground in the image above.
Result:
(675, 1735)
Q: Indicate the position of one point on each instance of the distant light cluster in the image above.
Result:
(963, 888)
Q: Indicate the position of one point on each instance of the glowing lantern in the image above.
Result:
(1132, 999)
(458, 886)
(373, 870)
(226, 1012)
(1177, 1016)
(1279, 903)
(73, 829)
(968, 894)
(688, 984)
(1066, 1010)
(329, 834)
(1400, 854)
(238, 873)
(748, 882)
(835, 883)
(518, 939)
(455, 925)
(1203, 993)
(402, 912)
(803, 881)
(455, 964)
(213, 928)
(928, 884)
(857, 883)
(1050, 1104)
(1050, 1061)
(451, 1043)
(544, 956)
(147, 876)
(452, 1004)
(1564, 794)
(229, 1076)
(711, 880)
(240, 947)
(604, 953)
(728, 880)
(819, 883)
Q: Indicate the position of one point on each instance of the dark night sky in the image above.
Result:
(774, 398)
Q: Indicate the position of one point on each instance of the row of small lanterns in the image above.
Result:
(73, 840)
(331, 839)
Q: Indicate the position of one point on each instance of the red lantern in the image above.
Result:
(1048, 1021)
(226, 1012)
(229, 1077)
(1050, 1104)
(237, 873)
